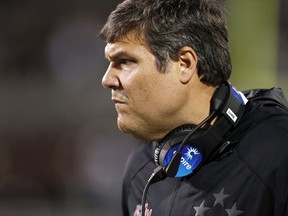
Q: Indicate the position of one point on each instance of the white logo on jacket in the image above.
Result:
(138, 210)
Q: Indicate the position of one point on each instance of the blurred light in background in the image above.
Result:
(60, 151)
(258, 42)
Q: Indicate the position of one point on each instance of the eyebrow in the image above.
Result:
(119, 55)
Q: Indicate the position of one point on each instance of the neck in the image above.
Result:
(201, 95)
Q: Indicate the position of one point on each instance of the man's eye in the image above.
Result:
(125, 61)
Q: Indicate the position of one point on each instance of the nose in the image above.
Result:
(110, 78)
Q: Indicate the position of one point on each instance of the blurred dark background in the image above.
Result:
(60, 150)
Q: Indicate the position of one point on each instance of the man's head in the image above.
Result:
(166, 26)
(166, 58)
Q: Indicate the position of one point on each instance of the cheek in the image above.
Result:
(153, 93)
(142, 99)
(156, 103)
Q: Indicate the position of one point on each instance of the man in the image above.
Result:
(216, 152)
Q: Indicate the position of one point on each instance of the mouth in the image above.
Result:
(117, 101)
(118, 98)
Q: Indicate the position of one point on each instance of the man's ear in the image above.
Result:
(188, 64)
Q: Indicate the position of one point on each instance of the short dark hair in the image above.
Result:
(168, 25)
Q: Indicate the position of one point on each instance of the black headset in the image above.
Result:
(186, 148)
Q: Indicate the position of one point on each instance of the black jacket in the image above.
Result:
(249, 178)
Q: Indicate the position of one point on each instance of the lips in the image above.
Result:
(117, 101)
(118, 98)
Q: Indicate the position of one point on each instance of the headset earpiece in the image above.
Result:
(193, 154)
(186, 148)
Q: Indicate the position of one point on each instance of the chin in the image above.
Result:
(139, 136)
(138, 132)
(133, 132)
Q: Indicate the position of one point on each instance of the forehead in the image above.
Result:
(130, 45)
